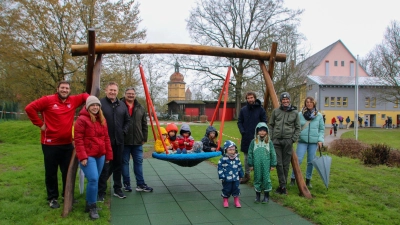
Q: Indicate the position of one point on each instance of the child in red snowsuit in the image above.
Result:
(185, 139)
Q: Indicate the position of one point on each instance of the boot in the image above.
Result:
(292, 182)
(87, 207)
(308, 183)
(226, 203)
(258, 196)
(266, 197)
(245, 179)
(93, 211)
(237, 202)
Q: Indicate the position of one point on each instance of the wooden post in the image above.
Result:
(90, 88)
(271, 67)
(295, 162)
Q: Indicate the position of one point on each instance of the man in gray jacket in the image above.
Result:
(285, 126)
(133, 142)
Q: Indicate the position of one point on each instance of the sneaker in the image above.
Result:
(278, 190)
(100, 198)
(144, 188)
(283, 191)
(127, 187)
(118, 193)
(54, 204)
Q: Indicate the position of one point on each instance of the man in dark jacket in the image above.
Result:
(133, 142)
(117, 118)
(249, 116)
(285, 124)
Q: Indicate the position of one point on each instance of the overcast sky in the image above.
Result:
(360, 24)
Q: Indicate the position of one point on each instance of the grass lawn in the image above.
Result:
(357, 194)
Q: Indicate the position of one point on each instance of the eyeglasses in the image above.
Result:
(130, 94)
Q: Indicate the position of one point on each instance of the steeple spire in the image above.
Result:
(176, 67)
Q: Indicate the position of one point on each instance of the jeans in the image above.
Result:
(92, 173)
(136, 151)
(311, 149)
(114, 167)
(55, 156)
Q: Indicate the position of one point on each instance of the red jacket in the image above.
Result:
(57, 115)
(182, 139)
(91, 139)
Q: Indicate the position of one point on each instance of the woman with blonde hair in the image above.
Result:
(93, 147)
(311, 136)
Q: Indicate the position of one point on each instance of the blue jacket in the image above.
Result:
(249, 117)
(314, 132)
(230, 169)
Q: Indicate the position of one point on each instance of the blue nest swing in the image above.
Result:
(186, 160)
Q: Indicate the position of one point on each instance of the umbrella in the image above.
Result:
(81, 181)
(323, 166)
(340, 117)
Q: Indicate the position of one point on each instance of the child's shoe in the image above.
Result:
(258, 196)
(237, 202)
(226, 203)
(266, 198)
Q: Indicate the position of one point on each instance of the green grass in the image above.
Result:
(357, 194)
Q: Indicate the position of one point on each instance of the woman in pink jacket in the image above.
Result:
(93, 147)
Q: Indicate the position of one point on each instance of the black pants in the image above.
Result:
(54, 156)
(114, 167)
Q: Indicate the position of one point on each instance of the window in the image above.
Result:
(367, 102)
(342, 63)
(310, 87)
(326, 68)
(352, 69)
(338, 101)
(335, 63)
(383, 116)
(333, 101)
(396, 104)
(373, 102)
(344, 102)
(326, 101)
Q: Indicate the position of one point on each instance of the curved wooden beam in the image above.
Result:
(187, 49)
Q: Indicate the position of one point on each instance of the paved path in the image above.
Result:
(330, 138)
(191, 195)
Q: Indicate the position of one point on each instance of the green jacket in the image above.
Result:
(285, 124)
(137, 132)
(314, 131)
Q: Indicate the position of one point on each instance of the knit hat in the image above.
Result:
(228, 144)
(284, 95)
(92, 100)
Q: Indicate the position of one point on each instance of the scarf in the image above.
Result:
(309, 114)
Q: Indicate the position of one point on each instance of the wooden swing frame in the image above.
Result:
(93, 84)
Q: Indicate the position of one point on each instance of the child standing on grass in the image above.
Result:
(262, 158)
(230, 172)
(158, 146)
(185, 140)
(210, 142)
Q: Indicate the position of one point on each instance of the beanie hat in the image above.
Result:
(92, 100)
(228, 144)
(284, 95)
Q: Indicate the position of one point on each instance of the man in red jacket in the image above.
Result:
(57, 112)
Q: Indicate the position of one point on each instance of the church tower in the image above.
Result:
(176, 85)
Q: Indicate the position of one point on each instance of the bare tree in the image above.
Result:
(384, 62)
(235, 24)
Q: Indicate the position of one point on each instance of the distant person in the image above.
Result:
(366, 123)
(333, 120)
(57, 116)
(117, 118)
(311, 137)
(134, 140)
(323, 116)
(285, 126)
(360, 120)
(390, 122)
(230, 172)
(249, 116)
(262, 158)
(340, 118)
(93, 148)
(335, 128)
(348, 122)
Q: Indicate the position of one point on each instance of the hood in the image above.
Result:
(185, 127)
(210, 129)
(257, 103)
(172, 127)
(84, 112)
(163, 131)
(259, 125)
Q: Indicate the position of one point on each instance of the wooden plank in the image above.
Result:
(187, 49)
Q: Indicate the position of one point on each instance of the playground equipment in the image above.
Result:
(93, 83)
